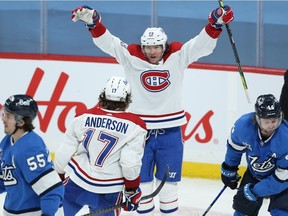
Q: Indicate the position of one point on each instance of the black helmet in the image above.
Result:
(21, 105)
(267, 106)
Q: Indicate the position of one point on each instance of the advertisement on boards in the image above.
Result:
(213, 99)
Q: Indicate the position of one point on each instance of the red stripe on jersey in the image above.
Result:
(89, 177)
(165, 115)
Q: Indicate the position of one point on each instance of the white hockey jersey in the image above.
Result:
(157, 89)
(109, 146)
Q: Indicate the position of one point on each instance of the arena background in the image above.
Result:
(213, 98)
(42, 52)
(260, 27)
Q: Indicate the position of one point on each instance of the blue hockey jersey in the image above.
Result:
(28, 177)
(266, 159)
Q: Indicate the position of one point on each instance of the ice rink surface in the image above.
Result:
(195, 196)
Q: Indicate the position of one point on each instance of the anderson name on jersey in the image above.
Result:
(111, 142)
(107, 123)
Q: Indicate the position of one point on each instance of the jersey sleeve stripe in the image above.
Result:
(46, 182)
(235, 146)
(281, 174)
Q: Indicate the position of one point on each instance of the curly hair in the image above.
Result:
(114, 105)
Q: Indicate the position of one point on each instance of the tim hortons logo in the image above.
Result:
(203, 125)
(206, 125)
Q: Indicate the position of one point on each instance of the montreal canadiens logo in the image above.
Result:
(155, 81)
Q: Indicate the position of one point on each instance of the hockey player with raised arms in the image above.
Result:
(263, 136)
(31, 184)
(155, 70)
(109, 143)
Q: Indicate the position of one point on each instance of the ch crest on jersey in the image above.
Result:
(155, 81)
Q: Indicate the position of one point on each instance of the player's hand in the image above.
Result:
(248, 193)
(63, 178)
(229, 176)
(243, 205)
(86, 14)
(132, 197)
(220, 16)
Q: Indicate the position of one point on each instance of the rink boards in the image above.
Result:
(213, 97)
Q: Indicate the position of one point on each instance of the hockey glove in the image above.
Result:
(132, 197)
(245, 206)
(249, 195)
(220, 16)
(63, 178)
(229, 176)
(89, 16)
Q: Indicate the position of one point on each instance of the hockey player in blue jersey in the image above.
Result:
(263, 136)
(27, 175)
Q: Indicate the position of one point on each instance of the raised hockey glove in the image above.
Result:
(229, 176)
(132, 197)
(220, 16)
(248, 193)
(86, 14)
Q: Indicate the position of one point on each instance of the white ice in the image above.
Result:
(195, 196)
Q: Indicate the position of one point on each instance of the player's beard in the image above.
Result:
(266, 133)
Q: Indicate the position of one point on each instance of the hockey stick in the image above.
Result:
(236, 56)
(153, 194)
(217, 197)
